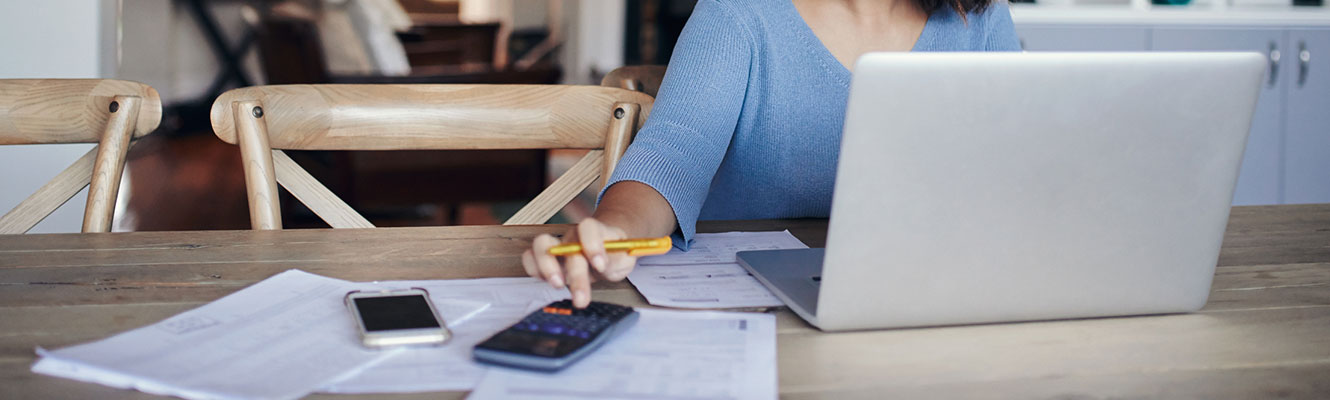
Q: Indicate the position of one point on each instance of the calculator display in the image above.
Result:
(534, 343)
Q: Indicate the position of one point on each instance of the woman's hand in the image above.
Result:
(575, 271)
(628, 209)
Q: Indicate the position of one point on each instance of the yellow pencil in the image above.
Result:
(634, 247)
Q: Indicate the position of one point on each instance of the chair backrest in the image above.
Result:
(107, 112)
(641, 78)
(264, 120)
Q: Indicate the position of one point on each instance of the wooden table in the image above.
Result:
(1265, 332)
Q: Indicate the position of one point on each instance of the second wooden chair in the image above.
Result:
(45, 111)
(265, 120)
(641, 78)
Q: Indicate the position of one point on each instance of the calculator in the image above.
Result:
(555, 336)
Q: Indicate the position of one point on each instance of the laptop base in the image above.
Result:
(794, 275)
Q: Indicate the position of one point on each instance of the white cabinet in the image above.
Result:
(1260, 180)
(1083, 38)
(1306, 70)
(1287, 159)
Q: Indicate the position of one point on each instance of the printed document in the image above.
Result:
(666, 355)
(281, 338)
(708, 275)
(450, 367)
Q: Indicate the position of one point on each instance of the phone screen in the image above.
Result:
(395, 312)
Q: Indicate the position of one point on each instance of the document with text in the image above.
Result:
(667, 354)
(708, 275)
(281, 338)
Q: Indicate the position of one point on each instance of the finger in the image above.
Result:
(529, 264)
(579, 280)
(592, 234)
(619, 267)
(547, 264)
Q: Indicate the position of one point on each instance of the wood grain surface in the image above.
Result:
(104, 184)
(108, 112)
(36, 111)
(430, 117)
(1265, 332)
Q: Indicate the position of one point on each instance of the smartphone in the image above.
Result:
(397, 317)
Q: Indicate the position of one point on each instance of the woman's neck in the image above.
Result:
(877, 7)
(850, 28)
(864, 15)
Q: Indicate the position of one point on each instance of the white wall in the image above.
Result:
(51, 39)
(595, 39)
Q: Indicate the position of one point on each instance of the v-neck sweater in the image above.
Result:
(747, 123)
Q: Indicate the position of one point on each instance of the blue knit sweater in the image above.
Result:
(747, 123)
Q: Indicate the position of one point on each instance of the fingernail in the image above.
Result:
(556, 280)
(599, 262)
(579, 298)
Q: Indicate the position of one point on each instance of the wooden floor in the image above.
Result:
(190, 182)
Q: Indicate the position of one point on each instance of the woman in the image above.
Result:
(747, 122)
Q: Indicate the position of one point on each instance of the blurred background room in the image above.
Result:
(183, 178)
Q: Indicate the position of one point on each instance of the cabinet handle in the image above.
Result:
(1274, 63)
(1304, 62)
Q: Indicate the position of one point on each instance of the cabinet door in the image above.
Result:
(1047, 37)
(1260, 179)
(1307, 117)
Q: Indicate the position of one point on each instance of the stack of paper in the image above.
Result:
(708, 275)
(291, 335)
(280, 338)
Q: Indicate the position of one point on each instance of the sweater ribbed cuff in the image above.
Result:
(682, 186)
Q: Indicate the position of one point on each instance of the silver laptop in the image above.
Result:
(979, 188)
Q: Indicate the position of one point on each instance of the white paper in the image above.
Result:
(666, 355)
(280, 338)
(708, 274)
(450, 367)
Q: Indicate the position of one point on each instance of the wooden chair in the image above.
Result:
(107, 112)
(265, 120)
(641, 78)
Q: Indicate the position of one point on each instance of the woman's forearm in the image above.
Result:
(639, 210)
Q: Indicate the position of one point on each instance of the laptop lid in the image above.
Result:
(1004, 187)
